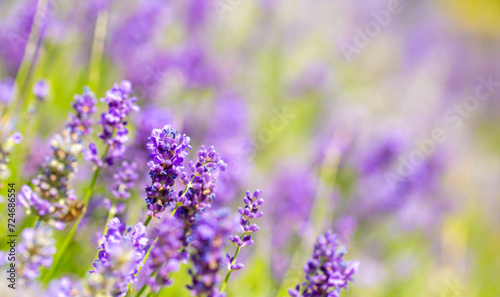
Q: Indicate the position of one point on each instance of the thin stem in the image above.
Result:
(38, 221)
(111, 214)
(141, 290)
(69, 238)
(148, 219)
(182, 195)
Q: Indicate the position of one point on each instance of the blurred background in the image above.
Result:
(375, 119)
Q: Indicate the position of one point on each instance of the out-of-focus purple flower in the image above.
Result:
(6, 90)
(65, 287)
(167, 254)
(120, 257)
(35, 251)
(326, 272)
(41, 89)
(114, 132)
(85, 106)
(200, 184)
(345, 227)
(51, 186)
(124, 179)
(208, 238)
(168, 149)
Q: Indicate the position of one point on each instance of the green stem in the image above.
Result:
(61, 252)
(141, 291)
(228, 275)
(148, 219)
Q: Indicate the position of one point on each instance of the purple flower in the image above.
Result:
(64, 287)
(114, 132)
(168, 148)
(200, 184)
(326, 272)
(35, 251)
(50, 197)
(84, 106)
(167, 254)
(41, 89)
(6, 90)
(251, 211)
(120, 257)
(124, 179)
(207, 240)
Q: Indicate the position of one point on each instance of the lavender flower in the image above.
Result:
(168, 149)
(167, 254)
(35, 251)
(41, 89)
(200, 183)
(251, 211)
(124, 179)
(51, 197)
(84, 106)
(207, 240)
(120, 257)
(326, 272)
(65, 287)
(114, 133)
(6, 90)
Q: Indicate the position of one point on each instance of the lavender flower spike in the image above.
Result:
(200, 184)
(208, 239)
(124, 179)
(168, 253)
(114, 132)
(168, 149)
(250, 212)
(41, 89)
(326, 272)
(51, 198)
(35, 251)
(120, 257)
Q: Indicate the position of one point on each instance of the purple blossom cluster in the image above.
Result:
(51, 198)
(124, 179)
(207, 240)
(41, 89)
(168, 148)
(114, 132)
(85, 107)
(200, 184)
(326, 272)
(168, 253)
(65, 287)
(35, 251)
(119, 259)
(249, 212)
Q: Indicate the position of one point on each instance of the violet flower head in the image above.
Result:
(65, 287)
(6, 90)
(168, 148)
(207, 240)
(84, 106)
(35, 251)
(124, 180)
(251, 211)
(326, 272)
(41, 89)
(120, 257)
(168, 252)
(114, 132)
(200, 183)
(50, 197)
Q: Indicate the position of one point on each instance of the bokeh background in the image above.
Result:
(363, 117)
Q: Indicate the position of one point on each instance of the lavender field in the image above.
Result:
(249, 148)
